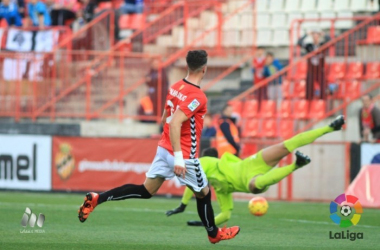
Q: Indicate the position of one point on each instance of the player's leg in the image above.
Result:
(196, 180)
(155, 177)
(273, 154)
(261, 183)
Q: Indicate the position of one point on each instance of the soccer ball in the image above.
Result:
(345, 210)
(258, 206)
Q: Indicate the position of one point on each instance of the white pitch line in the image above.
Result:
(323, 223)
(63, 207)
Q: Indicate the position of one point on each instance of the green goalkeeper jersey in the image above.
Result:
(227, 175)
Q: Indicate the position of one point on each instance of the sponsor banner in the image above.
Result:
(370, 154)
(99, 164)
(25, 162)
(366, 186)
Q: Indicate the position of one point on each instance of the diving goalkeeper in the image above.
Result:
(254, 174)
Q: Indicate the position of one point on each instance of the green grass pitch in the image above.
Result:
(142, 224)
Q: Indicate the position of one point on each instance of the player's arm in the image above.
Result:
(163, 118)
(185, 200)
(175, 138)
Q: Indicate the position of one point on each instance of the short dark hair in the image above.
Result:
(196, 59)
(369, 96)
(270, 54)
(210, 152)
(260, 48)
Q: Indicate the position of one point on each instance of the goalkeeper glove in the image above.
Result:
(177, 210)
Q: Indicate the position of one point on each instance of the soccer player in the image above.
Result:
(254, 174)
(176, 155)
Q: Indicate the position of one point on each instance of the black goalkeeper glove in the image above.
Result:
(177, 210)
(195, 223)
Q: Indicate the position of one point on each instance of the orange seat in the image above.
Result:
(237, 106)
(3, 23)
(285, 87)
(300, 71)
(317, 109)
(286, 129)
(285, 109)
(299, 89)
(250, 108)
(251, 128)
(301, 109)
(372, 70)
(268, 109)
(269, 128)
(373, 34)
(355, 70)
(337, 71)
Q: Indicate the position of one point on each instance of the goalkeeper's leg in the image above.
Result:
(273, 154)
(261, 183)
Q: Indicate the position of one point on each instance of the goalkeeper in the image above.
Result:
(254, 174)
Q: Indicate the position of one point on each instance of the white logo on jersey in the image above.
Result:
(193, 105)
(177, 94)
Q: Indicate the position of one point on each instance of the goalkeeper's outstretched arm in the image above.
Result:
(186, 197)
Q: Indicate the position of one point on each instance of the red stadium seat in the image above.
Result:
(251, 128)
(317, 109)
(373, 34)
(336, 71)
(137, 21)
(285, 109)
(301, 109)
(237, 106)
(355, 70)
(131, 21)
(372, 70)
(3, 23)
(250, 108)
(269, 128)
(105, 5)
(301, 71)
(341, 93)
(267, 109)
(248, 149)
(285, 86)
(299, 89)
(286, 129)
(352, 89)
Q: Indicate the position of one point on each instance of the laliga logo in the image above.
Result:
(346, 211)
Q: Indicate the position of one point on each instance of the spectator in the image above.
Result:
(258, 65)
(272, 66)
(39, 14)
(89, 7)
(369, 120)
(132, 6)
(316, 79)
(209, 130)
(153, 88)
(21, 6)
(227, 135)
(9, 11)
(372, 3)
(62, 11)
(79, 22)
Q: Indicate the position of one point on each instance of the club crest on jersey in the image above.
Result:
(193, 105)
